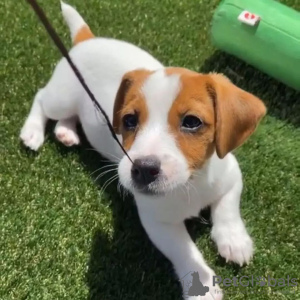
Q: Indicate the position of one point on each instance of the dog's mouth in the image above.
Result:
(150, 178)
(159, 187)
(148, 191)
(152, 189)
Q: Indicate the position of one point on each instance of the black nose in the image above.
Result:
(145, 170)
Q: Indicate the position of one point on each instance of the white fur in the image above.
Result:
(103, 62)
(159, 91)
(65, 131)
(72, 18)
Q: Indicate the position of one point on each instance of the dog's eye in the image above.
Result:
(130, 121)
(191, 123)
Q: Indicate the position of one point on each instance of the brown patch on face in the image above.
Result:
(83, 34)
(193, 99)
(229, 115)
(130, 100)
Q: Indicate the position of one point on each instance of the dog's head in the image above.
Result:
(172, 121)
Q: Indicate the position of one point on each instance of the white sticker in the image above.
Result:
(248, 18)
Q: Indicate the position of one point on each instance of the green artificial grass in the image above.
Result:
(60, 239)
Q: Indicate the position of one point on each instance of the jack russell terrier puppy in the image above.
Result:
(178, 127)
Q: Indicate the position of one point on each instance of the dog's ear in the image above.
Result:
(129, 80)
(237, 113)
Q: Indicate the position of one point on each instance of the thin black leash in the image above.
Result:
(59, 44)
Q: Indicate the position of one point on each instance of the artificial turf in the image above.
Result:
(60, 239)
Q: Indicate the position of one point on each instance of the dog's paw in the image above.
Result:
(32, 135)
(66, 135)
(234, 243)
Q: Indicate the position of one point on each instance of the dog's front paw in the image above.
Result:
(32, 135)
(234, 243)
(66, 135)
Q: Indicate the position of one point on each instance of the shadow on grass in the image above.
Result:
(282, 102)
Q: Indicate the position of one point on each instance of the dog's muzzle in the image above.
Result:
(144, 171)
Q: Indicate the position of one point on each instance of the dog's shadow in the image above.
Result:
(127, 265)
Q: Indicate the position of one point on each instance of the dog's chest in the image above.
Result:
(176, 206)
(186, 201)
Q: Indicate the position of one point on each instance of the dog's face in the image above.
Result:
(172, 120)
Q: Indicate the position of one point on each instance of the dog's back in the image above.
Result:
(102, 63)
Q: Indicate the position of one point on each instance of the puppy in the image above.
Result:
(178, 127)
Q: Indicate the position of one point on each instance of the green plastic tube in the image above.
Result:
(272, 45)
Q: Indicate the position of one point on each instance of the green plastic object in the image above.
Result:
(272, 45)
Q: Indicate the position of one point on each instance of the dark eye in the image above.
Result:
(130, 121)
(191, 123)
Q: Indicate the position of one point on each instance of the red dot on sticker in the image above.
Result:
(247, 15)
(252, 16)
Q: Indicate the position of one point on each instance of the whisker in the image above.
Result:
(106, 166)
(196, 175)
(122, 191)
(107, 183)
(106, 153)
(173, 186)
(193, 187)
(110, 182)
(188, 193)
(202, 220)
(182, 188)
(111, 155)
(119, 188)
(104, 173)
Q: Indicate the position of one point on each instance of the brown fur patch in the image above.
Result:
(83, 34)
(130, 100)
(193, 99)
(230, 115)
(237, 114)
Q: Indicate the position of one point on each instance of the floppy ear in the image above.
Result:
(129, 80)
(237, 113)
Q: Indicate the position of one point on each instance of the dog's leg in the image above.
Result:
(57, 101)
(229, 232)
(50, 104)
(176, 244)
(65, 131)
(33, 131)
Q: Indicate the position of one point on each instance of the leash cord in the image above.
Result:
(59, 44)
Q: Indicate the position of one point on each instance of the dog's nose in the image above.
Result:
(145, 170)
